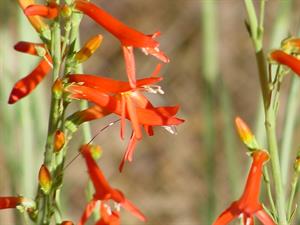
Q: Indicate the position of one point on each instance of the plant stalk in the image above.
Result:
(270, 105)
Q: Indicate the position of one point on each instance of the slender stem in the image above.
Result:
(269, 191)
(270, 105)
(293, 192)
(210, 46)
(279, 32)
(273, 149)
(44, 201)
(55, 110)
(289, 125)
(230, 145)
(210, 73)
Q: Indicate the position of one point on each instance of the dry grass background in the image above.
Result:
(167, 178)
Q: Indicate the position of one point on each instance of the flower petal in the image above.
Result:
(108, 85)
(127, 35)
(92, 113)
(102, 187)
(130, 65)
(27, 84)
(49, 12)
(133, 209)
(28, 47)
(35, 21)
(250, 197)
(128, 155)
(123, 116)
(87, 212)
(133, 117)
(290, 61)
(10, 202)
(227, 216)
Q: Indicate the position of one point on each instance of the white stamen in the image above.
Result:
(145, 50)
(117, 206)
(171, 129)
(155, 89)
(108, 209)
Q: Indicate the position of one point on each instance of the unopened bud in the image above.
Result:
(89, 48)
(66, 11)
(59, 140)
(45, 179)
(245, 134)
(57, 88)
(291, 45)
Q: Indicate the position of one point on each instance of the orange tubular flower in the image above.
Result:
(27, 84)
(119, 98)
(103, 191)
(128, 36)
(50, 12)
(290, 61)
(248, 205)
(36, 21)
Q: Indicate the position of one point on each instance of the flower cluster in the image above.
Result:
(126, 99)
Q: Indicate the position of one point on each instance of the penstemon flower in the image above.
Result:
(248, 205)
(126, 102)
(103, 191)
(27, 84)
(129, 37)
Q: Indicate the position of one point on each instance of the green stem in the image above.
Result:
(280, 31)
(210, 47)
(55, 108)
(292, 195)
(44, 217)
(210, 73)
(229, 142)
(269, 191)
(270, 99)
(289, 125)
(273, 149)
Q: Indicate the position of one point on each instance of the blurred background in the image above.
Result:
(183, 179)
